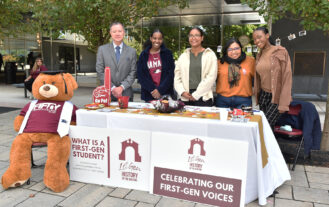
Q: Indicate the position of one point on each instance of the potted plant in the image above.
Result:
(9, 58)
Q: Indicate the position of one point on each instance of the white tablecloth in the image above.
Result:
(261, 182)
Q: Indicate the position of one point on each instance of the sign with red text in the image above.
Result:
(114, 157)
(102, 94)
(200, 169)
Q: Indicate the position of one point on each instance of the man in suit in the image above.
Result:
(121, 59)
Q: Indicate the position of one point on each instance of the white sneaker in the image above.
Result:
(287, 128)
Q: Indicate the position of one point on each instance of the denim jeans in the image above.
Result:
(233, 101)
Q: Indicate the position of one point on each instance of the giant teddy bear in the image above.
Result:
(46, 119)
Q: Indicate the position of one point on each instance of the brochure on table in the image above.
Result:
(110, 157)
(205, 170)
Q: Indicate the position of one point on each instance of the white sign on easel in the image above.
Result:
(205, 170)
(111, 157)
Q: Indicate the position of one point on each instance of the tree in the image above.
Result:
(238, 30)
(13, 16)
(312, 15)
(91, 18)
(171, 37)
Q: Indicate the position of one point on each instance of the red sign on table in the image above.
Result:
(102, 94)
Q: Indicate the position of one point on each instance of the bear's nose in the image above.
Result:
(46, 88)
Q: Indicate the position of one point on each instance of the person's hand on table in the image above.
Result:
(156, 94)
(186, 95)
(192, 98)
(117, 91)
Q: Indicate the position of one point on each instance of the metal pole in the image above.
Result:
(269, 23)
(222, 23)
(51, 51)
(142, 33)
(179, 32)
(24, 52)
(74, 59)
(9, 46)
(41, 49)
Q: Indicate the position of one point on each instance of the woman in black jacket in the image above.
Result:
(155, 68)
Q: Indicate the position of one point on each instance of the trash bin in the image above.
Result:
(10, 72)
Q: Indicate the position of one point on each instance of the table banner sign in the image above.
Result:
(112, 157)
(200, 169)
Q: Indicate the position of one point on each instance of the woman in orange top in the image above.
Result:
(234, 79)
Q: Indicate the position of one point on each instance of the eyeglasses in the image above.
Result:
(196, 36)
(233, 49)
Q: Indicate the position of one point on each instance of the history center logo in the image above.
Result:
(129, 169)
(195, 159)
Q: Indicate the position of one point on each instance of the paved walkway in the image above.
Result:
(308, 188)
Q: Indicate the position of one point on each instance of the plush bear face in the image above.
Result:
(53, 87)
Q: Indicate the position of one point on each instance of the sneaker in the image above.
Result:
(31, 97)
(286, 128)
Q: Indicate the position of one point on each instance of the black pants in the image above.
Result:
(270, 109)
(28, 84)
(199, 102)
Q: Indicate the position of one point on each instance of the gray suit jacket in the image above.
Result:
(122, 73)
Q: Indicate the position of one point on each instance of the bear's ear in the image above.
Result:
(70, 80)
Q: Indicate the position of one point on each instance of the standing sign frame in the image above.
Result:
(112, 157)
(201, 169)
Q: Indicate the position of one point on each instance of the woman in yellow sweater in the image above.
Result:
(234, 77)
